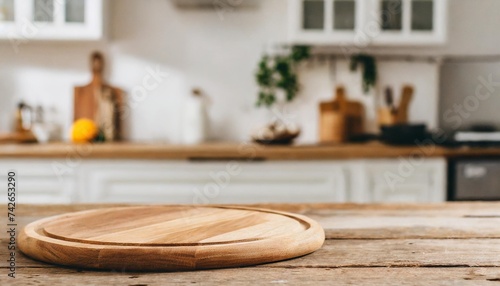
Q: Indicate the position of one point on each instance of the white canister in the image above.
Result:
(195, 119)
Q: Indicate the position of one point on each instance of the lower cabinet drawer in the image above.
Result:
(230, 182)
(213, 182)
(39, 182)
(398, 181)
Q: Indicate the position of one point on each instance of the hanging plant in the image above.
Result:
(369, 70)
(279, 73)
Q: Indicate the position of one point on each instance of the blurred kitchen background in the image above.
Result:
(158, 51)
(217, 47)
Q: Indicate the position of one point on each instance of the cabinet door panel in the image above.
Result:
(422, 15)
(324, 21)
(410, 22)
(7, 11)
(198, 183)
(75, 11)
(39, 182)
(313, 14)
(344, 15)
(391, 15)
(387, 181)
(43, 11)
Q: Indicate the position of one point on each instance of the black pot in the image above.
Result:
(403, 134)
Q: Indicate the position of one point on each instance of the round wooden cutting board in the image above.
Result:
(169, 238)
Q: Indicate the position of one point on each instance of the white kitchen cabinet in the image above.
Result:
(69, 180)
(325, 21)
(399, 180)
(364, 23)
(409, 22)
(39, 182)
(51, 20)
(188, 182)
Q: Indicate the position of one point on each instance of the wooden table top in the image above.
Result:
(443, 244)
(241, 151)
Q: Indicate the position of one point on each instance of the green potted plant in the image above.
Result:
(279, 73)
(278, 83)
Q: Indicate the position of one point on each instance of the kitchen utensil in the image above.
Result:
(404, 104)
(389, 100)
(389, 114)
(333, 120)
(166, 238)
(99, 101)
(23, 118)
(340, 118)
(195, 119)
(18, 137)
(403, 134)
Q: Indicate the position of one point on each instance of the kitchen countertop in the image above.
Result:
(444, 244)
(242, 151)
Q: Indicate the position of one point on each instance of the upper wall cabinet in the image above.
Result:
(51, 19)
(412, 22)
(368, 22)
(325, 21)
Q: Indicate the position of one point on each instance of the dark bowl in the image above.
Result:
(403, 134)
(284, 141)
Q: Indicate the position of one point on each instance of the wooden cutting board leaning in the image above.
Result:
(99, 101)
(340, 119)
(170, 238)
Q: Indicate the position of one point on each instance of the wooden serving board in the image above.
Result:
(170, 238)
(19, 137)
(99, 101)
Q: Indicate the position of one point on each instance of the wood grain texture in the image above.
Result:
(390, 244)
(469, 276)
(375, 253)
(242, 151)
(158, 238)
(20, 137)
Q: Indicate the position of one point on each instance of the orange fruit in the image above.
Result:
(84, 130)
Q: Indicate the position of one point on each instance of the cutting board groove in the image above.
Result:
(170, 238)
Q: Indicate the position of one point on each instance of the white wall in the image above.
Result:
(470, 95)
(218, 54)
(474, 32)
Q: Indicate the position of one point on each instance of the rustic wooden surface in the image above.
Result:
(241, 151)
(170, 238)
(443, 244)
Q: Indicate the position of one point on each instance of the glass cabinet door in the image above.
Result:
(407, 15)
(422, 15)
(344, 14)
(391, 15)
(67, 11)
(43, 11)
(7, 11)
(313, 14)
(328, 15)
(325, 21)
(52, 19)
(75, 11)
